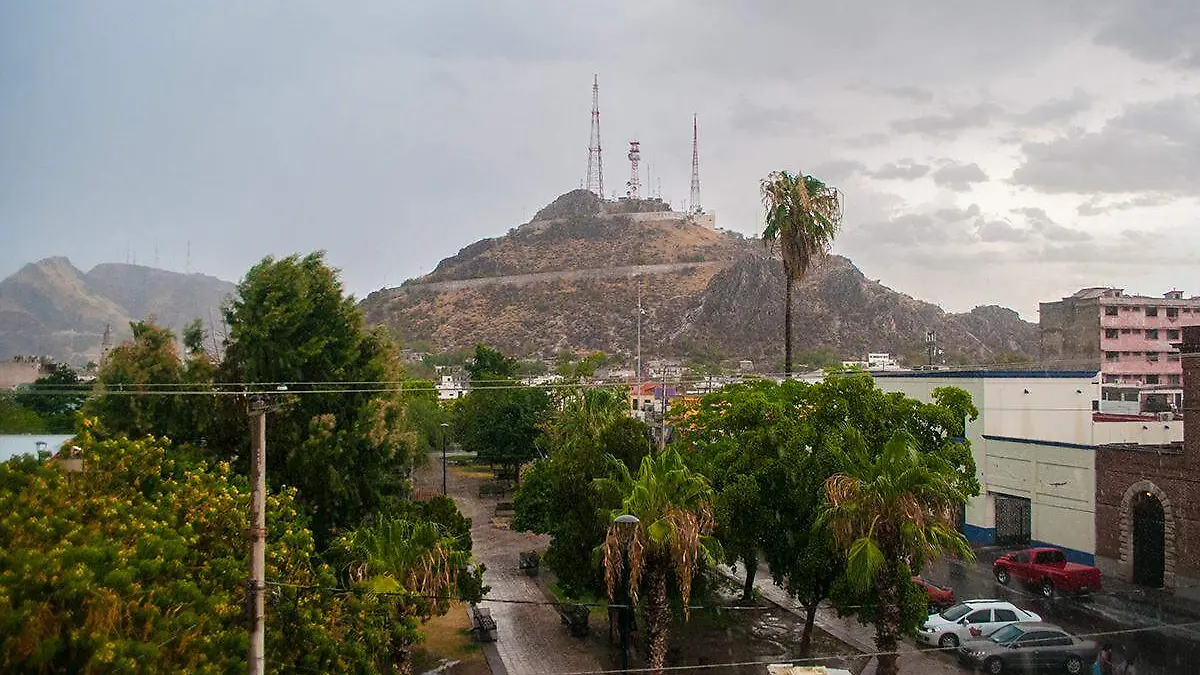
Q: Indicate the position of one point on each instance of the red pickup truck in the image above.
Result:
(1046, 569)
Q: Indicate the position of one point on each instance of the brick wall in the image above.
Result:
(1171, 472)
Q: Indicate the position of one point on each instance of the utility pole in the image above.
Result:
(256, 657)
(445, 426)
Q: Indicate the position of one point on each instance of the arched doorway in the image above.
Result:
(1149, 541)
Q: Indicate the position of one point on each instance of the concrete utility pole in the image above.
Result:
(256, 657)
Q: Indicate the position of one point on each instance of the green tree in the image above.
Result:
(501, 423)
(17, 419)
(349, 451)
(490, 365)
(891, 511)
(57, 409)
(673, 505)
(803, 217)
(584, 439)
(138, 564)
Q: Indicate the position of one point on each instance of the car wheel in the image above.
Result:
(948, 641)
(1074, 665)
(994, 666)
(1047, 588)
(1002, 576)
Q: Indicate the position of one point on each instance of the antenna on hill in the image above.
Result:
(595, 172)
(634, 186)
(695, 196)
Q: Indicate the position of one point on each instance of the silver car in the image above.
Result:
(1028, 647)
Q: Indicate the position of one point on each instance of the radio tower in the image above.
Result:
(633, 187)
(695, 198)
(595, 172)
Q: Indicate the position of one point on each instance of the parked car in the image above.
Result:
(971, 620)
(940, 597)
(1026, 647)
(1047, 570)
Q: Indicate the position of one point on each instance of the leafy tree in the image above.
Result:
(17, 419)
(138, 564)
(501, 424)
(425, 414)
(57, 409)
(803, 217)
(138, 388)
(349, 451)
(560, 495)
(490, 365)
(891, 511)
(766, 449)
(673, 505)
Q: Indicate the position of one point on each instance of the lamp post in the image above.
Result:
(445, 426)
(627, 522)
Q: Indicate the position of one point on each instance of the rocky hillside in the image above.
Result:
(50, 308)
(570, 279)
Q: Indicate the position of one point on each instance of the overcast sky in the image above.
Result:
(989, 152)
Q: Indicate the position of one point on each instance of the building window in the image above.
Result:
(1110, 310)
(1172, 312)
(1126, 330)
(1110, 333)
(1151, 356)
(1112, 356)
(1172, 335)
(1174, 379)
(1151, 333)
(1111, 379)
(1187, 310)
(1172, 356)
(1151, 311)
(1151, 379)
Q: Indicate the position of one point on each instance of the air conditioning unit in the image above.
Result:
(1166, 416)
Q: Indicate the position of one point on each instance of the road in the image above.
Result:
(1124, 623)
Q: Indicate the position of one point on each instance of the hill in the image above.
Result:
(570, 279)
(50, 308)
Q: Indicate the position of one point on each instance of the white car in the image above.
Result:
(970, 620)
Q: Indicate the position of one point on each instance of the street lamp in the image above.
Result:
(627, 522)
(445, 426)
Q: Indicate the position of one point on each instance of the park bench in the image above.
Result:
(530, 561)
(483, 626)
(575, 618)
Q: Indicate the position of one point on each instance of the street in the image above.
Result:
(1119, 615)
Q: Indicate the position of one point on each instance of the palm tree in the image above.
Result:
(673, 507)
(891, 513)
(803, 217)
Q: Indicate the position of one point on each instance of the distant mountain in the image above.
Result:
(50, 308)
(570, 278)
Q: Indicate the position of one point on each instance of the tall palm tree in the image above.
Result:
(803, 217)
(891, 513)
(673, 507)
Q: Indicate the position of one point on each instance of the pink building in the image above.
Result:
(1129, 338)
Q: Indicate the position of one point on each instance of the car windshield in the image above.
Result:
(1005, 635)
(955, 613)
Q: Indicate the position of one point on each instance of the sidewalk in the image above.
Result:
(849, 630)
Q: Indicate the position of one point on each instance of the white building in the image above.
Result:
(450, 387)
(1034, 447)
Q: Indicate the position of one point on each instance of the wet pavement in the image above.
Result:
(1132, 619)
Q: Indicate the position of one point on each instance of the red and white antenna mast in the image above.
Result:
(595, 171)
(695, 196)
(634, 186)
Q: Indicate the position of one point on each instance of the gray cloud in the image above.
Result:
(1057, 110)
(1096, 206)
(950, 124)
(999, 231)
(905, 169)
(1161, 31)
(1151, 147)
(909, 93)
(868, 140)
(954, 215)
(1050, 230)
(838, 170)
(774, 120)
(958, 177)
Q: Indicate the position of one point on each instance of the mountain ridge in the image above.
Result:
(567, 280)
